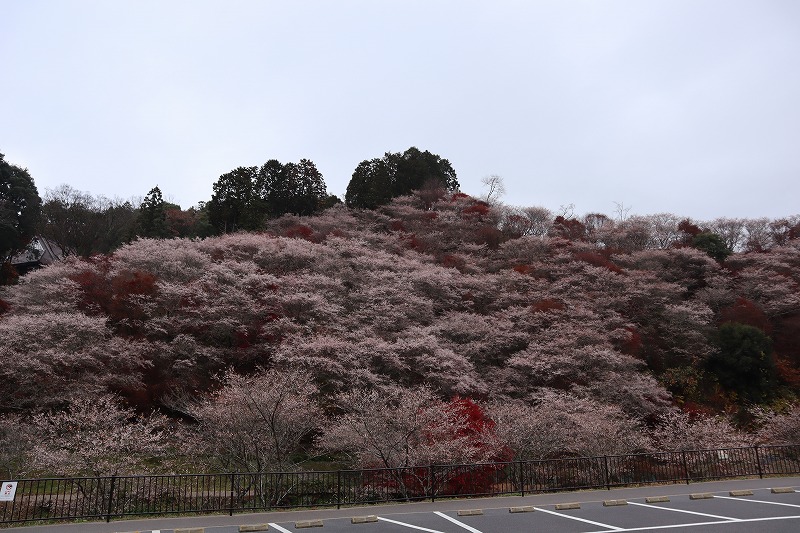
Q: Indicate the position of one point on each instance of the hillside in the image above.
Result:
(438, 293)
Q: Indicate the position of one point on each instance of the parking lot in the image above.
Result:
(726, 507)
(709, 513)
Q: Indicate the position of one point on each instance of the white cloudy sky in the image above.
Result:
(683, 106)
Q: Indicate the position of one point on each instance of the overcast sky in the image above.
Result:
(690, 107)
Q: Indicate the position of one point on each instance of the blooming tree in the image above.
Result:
(678, 430)
(95, 436)
(559, 425)
(400, 427)
(779, 428)
(14, 440)
(257, 423)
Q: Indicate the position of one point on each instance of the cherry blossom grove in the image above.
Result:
(570, 338)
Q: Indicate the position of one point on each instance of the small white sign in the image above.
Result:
(9, 488)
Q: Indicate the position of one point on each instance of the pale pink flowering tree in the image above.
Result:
(387, 306)
(14, 441)
(431, 362)
(95, 436)
(46, 357)
(559, 425)
(257, 423)
(731, 230)
(629, 235)
(779, 428)
(686, 267)
(759, 237)
(663, 230)
(336, 364)
(402, 427)
(46, 290)
(173, 260)
(677, 430)
(576, 353)
(777, 293)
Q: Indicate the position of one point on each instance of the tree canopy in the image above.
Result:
(376, 181)
(232, 205)
(743, 361)
(83, 224)
(153, 215)
(291, 188)
(247, 196)
(712, 244)
(20, 209)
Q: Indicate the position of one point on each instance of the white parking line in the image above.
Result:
(757, 501)
(698, 524)
(412, 526)
(456, 522)
(687, 512)
(613, 528)
(279, 528)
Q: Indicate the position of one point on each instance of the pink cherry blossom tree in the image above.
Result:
(402, 427)
(678, 430)
(559, 425)
(780, 428)
(257, 423)
(95, 436)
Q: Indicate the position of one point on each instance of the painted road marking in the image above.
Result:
(613, 528)
(279, 528)
(412, 526)
(457, 522)
(698, 524)
(687, 512)
(757, 501)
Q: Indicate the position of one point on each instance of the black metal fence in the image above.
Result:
(117, 496)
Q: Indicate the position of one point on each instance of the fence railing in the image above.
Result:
(105, 498)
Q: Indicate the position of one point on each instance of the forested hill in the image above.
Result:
(426, 290)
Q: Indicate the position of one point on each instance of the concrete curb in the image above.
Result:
(364, 519)
(308, 523)
(567, 506)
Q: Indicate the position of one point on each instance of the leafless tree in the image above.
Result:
(495, 188)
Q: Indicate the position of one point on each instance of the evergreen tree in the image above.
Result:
(375, 182)
(712, 244)
(20, 209)
(291, 188)
(153, 216)
(232, 206)
(743, 361)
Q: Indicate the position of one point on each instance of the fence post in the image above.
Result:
(685, 466)
(233, 479)
(605, 468)
(110, 498)
(338, 489)
(521, 478)
(431, 474)
(758, 462)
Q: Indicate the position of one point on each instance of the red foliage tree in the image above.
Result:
(743, 311)
(568, 228)
(596, 259)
